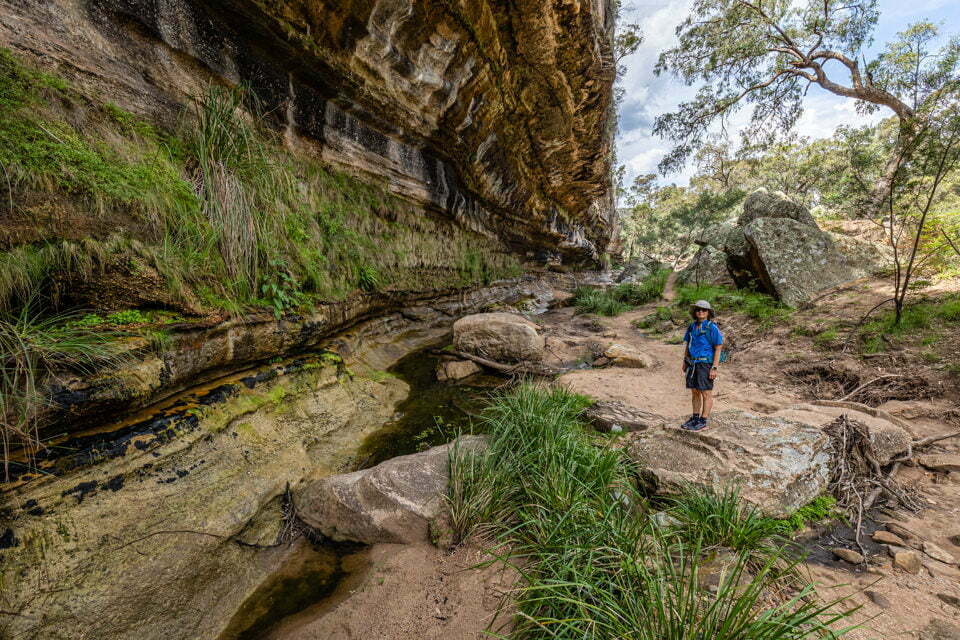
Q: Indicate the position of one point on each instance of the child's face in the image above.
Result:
(701, 314)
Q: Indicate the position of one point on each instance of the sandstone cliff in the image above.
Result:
(495, 116)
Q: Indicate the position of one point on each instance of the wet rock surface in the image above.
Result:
(779, 464)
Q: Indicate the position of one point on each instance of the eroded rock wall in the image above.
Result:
(496, 116)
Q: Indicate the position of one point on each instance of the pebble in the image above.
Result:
(937, 553)
(885, 537)
(908, 561)
(900, 530)
(849, 555)
(878, 599)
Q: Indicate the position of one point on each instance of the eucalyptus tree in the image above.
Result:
(767, 53)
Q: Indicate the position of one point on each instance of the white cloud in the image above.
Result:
(648, 96)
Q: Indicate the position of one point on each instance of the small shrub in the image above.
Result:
(823, 507)
(826, 338)
(128, 316)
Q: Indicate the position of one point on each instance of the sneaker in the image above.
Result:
(691, 421)
(699, 425)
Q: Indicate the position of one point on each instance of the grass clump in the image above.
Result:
(821, 508)
(593, 564)
(613, 301)
(33, 349)
(924, 320)
(759, 306)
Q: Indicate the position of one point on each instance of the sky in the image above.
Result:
(648, 96)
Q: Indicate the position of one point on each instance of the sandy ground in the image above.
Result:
(420, 592)
(410, 591)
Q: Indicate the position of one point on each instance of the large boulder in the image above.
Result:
(715, 235)
(863, 257)
(779, 464)
(708, 266)
(391, 502)
(792, 260)
(764, 204)
(503, 337)
(637, 270)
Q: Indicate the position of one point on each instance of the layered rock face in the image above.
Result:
(497, 117)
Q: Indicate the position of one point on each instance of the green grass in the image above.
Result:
(223, 211)
(924, 320)
(32, 348)
(565, 512)
(612, 301)
(759, 306)
(821, 508)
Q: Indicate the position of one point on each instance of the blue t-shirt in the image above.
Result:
(702, 338)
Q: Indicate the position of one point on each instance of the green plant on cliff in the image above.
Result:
(32, 350)
(213, 206)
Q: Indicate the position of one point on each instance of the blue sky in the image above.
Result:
(647, 96)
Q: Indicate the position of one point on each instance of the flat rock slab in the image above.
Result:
(502, 337)
(889, 439)
(779, 464)
(606, 415)
(391, 502)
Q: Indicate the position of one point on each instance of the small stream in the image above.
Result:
(433, 413)
(320, 573)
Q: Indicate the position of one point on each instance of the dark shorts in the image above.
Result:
(698, 376)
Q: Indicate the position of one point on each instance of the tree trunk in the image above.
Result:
(884, 184)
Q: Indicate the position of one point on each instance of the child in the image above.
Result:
(701, 358)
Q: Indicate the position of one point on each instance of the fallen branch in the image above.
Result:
(923, 442)
(521, 367)
(867, 384)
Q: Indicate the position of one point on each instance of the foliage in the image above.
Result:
(759, 306)
(565, 513)
(612, 301)
(223, 211)
(664, 222)
(928, 320)
(720, 518)
(768, 54)
(32, 350)
(821, 508)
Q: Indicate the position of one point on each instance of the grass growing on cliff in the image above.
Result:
(613, 301)
(220, 208)
(593, 565)
(32, 348)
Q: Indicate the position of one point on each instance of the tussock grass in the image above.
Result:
(613, 301)
(563, 509)
(32, 350)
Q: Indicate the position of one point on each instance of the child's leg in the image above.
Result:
(707, 403)
(697, 400)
